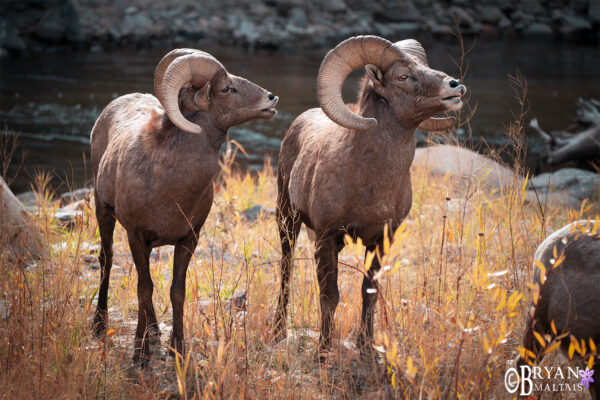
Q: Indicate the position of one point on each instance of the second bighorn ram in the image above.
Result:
(345, 169)
(568, 303)
(154, 160)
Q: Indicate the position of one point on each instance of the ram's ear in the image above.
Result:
(376, 77)
(202, 97)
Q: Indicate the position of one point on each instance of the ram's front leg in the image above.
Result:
(326, 256)
(184, 249)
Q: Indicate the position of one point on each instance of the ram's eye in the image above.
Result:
(402, 77)
(226, 89)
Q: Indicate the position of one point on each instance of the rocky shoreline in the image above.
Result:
(95, 25)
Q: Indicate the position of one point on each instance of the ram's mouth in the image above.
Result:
(270, 111)
(454, 98)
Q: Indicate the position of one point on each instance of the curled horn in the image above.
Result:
(413, 49)
(352, 54)
(194, 66)
(159, 73)
(417, 52)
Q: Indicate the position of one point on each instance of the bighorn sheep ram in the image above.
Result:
(345, 169)
(570, 295)
(154, 159)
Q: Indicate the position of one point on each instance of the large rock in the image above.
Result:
(538, 30)
(464, 165)
(252, 213)
(404, 12)
(567, 185)
(573, 25)
(30, 200)
(19, 237)
(465, 19)
(68, 215)
(334, 6)
(76, 195)
(298, 17)
(489, 14)
(70, 17)
(136, 24)
(10, 39)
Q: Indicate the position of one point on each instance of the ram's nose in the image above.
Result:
(271, 96)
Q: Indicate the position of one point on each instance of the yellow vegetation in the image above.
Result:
(454, 295)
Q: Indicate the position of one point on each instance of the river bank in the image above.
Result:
(95, 25)
(51, 99)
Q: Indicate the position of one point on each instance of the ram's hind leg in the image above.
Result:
(106, 226)
(289, 226)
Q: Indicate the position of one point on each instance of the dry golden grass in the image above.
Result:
(451, 311)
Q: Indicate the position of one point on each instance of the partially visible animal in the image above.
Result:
(570, 295)
(154, 160)
(20, 239)
(345, 168)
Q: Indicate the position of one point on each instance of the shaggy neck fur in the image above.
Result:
(162, 129)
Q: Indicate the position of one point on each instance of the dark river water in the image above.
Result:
(52, 100)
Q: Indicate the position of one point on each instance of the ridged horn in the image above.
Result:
(437, 124)
(164, 63)
(349, 55)
(197, 67)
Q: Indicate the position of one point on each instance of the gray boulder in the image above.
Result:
(79, 194)
(572, 25)
(334, 6)
(252, 213)
(405, 12)
(569, 185)
(10, 39)
(489, 14)
(464, 165)
(467, 22)
(19, 237)
(136, 24)
(298, 17)
(69, 214)
(537, 30)
(29, 199)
